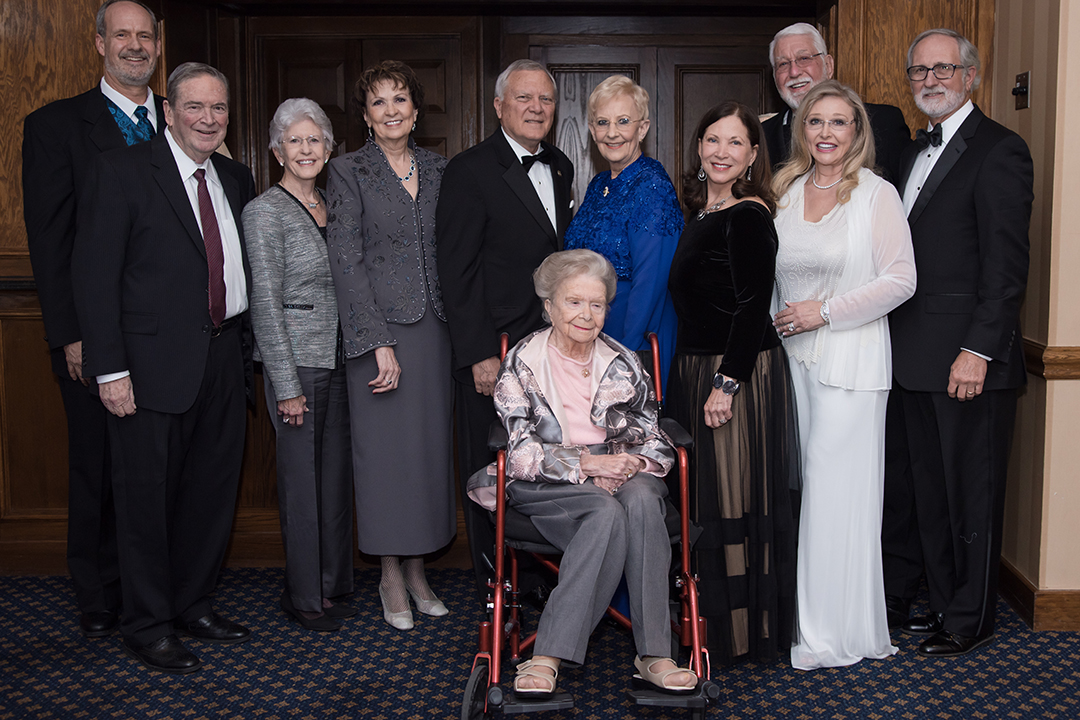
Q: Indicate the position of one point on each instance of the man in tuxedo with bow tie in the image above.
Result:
(504, 206)
(800, 61)
(957, 353)
(60, 141)
(160, 279)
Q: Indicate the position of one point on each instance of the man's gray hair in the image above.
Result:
(559, 267)
(798, 29)
(525, 66)
(187, 71)
(969, 54)
(99, 22)
(296, 110)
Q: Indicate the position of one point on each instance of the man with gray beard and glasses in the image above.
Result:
(60, 142)
(957, 353)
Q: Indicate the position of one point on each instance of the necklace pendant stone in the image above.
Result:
(605, 191)
(584, 372)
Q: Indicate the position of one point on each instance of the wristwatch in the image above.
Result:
(728, 385)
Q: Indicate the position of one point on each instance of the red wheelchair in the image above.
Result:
(501, 634)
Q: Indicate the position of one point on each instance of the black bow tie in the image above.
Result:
(543, 156)
(929, 138)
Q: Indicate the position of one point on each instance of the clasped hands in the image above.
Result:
(798, 317)
(610, 471)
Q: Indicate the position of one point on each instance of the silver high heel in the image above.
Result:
(434, 608)
(399, 620)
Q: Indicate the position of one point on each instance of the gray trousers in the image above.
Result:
(314, 484)
(602, 536)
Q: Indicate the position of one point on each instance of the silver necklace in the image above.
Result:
(819, 187)
(412, 169)
(311, 206)
(713, 208)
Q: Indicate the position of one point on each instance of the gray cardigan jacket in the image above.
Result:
(382, 245)
(293, 306)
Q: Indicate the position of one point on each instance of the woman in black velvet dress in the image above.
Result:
(731, 389)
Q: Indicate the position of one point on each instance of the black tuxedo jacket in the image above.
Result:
(491, 232)
(140, 273)
(969, 228)
(891, 138)
(60, 141)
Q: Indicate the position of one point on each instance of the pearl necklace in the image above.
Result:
(819, 187)
(713, 208)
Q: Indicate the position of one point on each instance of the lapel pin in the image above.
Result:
(559, 173)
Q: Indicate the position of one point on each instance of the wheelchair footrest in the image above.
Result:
(656, 698)
(557, 701)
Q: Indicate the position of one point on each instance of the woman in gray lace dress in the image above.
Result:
(382, 254)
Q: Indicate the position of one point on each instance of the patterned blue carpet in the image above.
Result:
(371, 671)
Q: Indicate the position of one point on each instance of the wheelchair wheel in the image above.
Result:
(472, 703)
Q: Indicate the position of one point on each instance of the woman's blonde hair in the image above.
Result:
(613, 87)
(859, 155)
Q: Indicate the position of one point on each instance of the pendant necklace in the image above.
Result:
(713, 208)
(412, 169)
(311, 206)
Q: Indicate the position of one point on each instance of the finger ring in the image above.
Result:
(791, 327)
(722, 422)
(970, 392)
(387, 383)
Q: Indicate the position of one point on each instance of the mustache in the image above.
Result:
(797, 81)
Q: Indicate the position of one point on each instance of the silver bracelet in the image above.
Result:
(825, 311)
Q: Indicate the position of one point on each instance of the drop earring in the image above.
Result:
(701, 173)
(414, 127)
(749, 168)
(369, 133)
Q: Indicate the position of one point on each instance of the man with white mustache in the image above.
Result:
(957, 353)
(800, 61)
(60, 142)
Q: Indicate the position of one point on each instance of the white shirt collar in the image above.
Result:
(516, 147)
(185, 164)
(950, 125)
(129, 107)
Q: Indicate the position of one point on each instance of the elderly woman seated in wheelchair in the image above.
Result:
(585, 463)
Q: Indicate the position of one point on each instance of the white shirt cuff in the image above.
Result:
(979, 355)
(102, 379)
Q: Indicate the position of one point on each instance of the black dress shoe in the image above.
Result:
(213, 628)
(947, 644)
(99, 624)
(167, 655)
(323, 623)
(925, 625)
(896, 610)
(339, 610)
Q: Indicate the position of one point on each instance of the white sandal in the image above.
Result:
(659, 681)
(528, 668)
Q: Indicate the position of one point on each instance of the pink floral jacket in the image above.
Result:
(527, 401)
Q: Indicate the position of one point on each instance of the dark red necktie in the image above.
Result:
(215, 256)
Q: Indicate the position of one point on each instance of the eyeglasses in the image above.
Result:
(817, 123)
(312, 142)
(623, 122)
(802, 61)
(942, 71)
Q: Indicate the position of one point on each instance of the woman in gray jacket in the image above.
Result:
(294, 316)
(397, 348)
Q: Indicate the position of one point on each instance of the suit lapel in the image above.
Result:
(104, 132)
(518, 180)
(945, 163)
(167, 176)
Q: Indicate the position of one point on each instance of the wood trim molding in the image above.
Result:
(1052, 363)
(1040, 609)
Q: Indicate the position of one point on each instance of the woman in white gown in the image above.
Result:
(845, 260)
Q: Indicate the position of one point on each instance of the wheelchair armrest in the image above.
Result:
(498, 438)
(675, 431)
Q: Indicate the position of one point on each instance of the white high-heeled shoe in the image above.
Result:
(434, 608)
(399, 620)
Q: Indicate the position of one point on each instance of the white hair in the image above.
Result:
(524, 66)
(798, 29)
(969, 54)
(296, 110)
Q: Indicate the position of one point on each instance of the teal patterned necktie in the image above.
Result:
(143, 129)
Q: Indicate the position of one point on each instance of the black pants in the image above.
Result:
(175, 478)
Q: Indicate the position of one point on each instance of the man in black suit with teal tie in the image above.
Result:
(160, 278)
(504, 206)
(957, 353)
(60, 141)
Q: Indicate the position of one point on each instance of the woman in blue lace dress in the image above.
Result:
(631, 216)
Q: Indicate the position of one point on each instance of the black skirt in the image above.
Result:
(744, 480)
